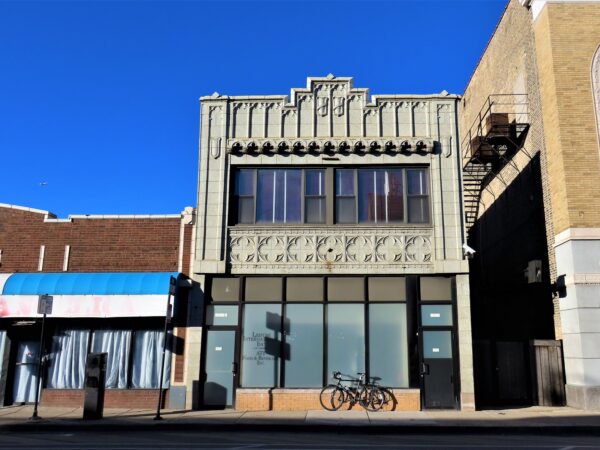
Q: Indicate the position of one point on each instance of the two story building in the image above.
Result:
(330, 237)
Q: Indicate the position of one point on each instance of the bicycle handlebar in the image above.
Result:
(338, 376)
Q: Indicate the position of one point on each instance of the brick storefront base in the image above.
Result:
(113, 398)
(306, 399)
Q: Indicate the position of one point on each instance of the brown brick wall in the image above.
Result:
(308, 399)
(97, 244)
(567, 36)
(187, 249)
(113, 398)
(179, 365)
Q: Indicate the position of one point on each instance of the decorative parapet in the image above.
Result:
(315, 146)
(329, 249)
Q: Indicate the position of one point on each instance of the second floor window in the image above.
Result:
(280, 196)
(376, 195)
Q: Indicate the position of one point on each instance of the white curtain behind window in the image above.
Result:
(67, 360)
(116, 343)
(147, 356)
(2, 345)
(26, 371)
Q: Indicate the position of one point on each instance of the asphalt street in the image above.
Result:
(276, 440)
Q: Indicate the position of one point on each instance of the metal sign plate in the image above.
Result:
(45, 304)
(173, 286)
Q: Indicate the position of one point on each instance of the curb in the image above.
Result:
(413, 428)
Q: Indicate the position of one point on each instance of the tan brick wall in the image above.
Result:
(567, 36)
(308, 399)
(509, 66)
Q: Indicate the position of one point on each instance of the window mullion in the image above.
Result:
(304, 196)
(405, 195)
(254, 191)
(355, 191)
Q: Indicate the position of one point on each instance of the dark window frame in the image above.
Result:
(284, 302)
(92, 330)
(303, 221)
(306, 196)
(331, 197)
(405, 196)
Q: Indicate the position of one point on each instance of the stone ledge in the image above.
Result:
(308, 399)
(583, 397)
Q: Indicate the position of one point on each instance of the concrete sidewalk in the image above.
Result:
(534, 419)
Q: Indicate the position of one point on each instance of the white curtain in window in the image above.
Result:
(67, 359)
(26, 372)
(147, 357)
(2, 345)
(116, 343)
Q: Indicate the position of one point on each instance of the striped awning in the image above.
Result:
(98, 294)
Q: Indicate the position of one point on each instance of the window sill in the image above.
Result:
(332, 227)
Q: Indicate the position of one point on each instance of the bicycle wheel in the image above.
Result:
(372, 399)
(390, 399)
(332, 397)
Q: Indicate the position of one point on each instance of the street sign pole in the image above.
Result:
(44, 307)
(172, 288)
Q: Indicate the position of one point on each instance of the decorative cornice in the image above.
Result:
(537, 6)
(576, 234)
(301, 146)
(582, 278)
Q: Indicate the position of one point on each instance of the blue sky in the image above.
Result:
(99, 99)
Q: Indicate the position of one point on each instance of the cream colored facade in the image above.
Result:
(330, 123)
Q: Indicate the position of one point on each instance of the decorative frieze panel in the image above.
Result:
(317, 146)
(322, 249)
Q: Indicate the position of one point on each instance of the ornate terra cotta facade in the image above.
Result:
(323, 130)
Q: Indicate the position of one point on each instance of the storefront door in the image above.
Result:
(438, 370)
(26, 370)
(220, 368)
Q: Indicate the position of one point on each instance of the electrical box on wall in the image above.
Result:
(533, 273)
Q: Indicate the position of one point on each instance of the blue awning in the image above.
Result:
(108, 283)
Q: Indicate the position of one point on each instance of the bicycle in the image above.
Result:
(367, 395)
(388, 394)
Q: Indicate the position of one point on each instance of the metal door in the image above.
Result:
(220, 368)
(437, 370)
(26, 371)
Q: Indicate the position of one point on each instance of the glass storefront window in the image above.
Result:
(303, 357)
(261, 345)
(436, 315)
(388, 348)
(222, 315)
(345, 338)
(437, 344)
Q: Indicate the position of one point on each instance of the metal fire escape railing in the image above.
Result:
(497, 134)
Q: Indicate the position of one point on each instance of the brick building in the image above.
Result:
(109, 276)
(331, 238)
(529, 124)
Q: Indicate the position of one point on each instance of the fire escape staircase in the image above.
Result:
(497, 134)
